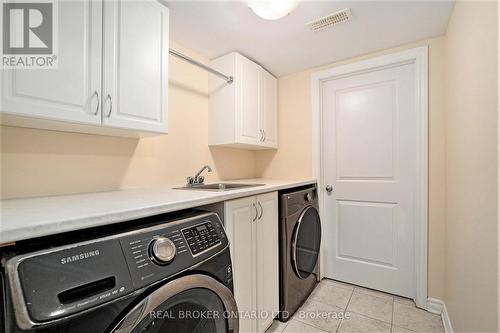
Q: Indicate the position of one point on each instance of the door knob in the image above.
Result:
(329, 188)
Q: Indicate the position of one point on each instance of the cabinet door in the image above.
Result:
(72, 91)
(135, 65)
(248, 101)
(269, 110)
(239, 217)
(267, 259)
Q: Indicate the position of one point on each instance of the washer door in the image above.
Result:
(306, 240)
(193, 303)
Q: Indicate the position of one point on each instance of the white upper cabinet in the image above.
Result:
(248, 119)
(71, 92)
(121, 44)
(269, 114)
(244, 113)
(135, 65)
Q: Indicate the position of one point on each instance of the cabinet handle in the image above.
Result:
(110, 105)
(98, 103)
(256, 212)
(261, 135)
(261, 211)
(263, 131)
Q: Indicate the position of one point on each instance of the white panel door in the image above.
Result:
(73, 90)
(269, 110)
(267, 259)
(239, 217)
(369, 156)
(248, 108)
(135, 65)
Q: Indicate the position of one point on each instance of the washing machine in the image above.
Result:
(299, 246)
(169, 276)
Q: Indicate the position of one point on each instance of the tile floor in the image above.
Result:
(339, 307)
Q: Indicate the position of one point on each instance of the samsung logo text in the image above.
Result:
(81, 256)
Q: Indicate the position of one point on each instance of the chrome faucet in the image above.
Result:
(198, 179)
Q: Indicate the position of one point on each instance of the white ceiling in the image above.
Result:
(284, 46)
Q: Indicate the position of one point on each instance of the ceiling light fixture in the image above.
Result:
(273, 9)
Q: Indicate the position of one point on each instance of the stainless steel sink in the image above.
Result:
(217, 187)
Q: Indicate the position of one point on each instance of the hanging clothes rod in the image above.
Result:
(229, 79)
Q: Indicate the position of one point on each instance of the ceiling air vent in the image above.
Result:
(328, 21)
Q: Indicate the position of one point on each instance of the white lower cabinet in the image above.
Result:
(252, 228)
(266, 248)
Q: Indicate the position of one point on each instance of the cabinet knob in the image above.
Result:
(256, 212)
(96, 94)
(108, 97)
(329, 188)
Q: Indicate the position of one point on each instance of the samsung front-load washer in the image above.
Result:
(169, 276)
(299, 241)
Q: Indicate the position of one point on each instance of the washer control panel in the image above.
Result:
(201, 238)
(64, 280)
(160, 251)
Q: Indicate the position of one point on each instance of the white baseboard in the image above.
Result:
(435, 305)
(439, 307)
(446, 320)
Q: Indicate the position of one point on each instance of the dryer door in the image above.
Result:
(306, 242)
(193, 303)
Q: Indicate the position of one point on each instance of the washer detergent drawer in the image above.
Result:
(59, 283)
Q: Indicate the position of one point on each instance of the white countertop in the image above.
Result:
(42, 216)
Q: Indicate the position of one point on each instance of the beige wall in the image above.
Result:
(39, 162)
(471, 167)
(294, 157)
(462, 177)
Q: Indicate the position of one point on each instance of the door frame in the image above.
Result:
(419, 57)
